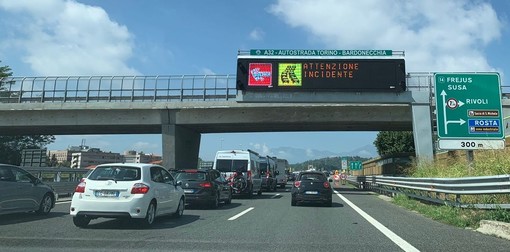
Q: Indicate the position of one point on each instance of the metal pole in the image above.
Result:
(470, 159)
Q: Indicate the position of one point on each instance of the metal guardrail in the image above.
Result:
(439, 190)
(63, 180)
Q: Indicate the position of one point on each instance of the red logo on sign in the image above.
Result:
(260, 74)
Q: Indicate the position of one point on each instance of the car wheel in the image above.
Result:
(216, 202)
(81, 221)
(293, 202)
(282, 186)
(46, 204)
(229, 200)
(250, 192)
(150, 216)
(329, 203)
(180, 209)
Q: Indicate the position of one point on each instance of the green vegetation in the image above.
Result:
(454, 165)
(325, 164)
(12, 146)
(394, 142)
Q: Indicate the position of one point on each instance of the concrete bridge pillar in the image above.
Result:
(422, 133)
(181, 147)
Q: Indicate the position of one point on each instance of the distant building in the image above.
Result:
(206, 165)
(93, 157)
(66, 155)
(33, 158)
(135, 157)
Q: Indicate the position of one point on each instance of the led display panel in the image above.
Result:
(281, 74)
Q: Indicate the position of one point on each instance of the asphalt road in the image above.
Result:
(357, 221)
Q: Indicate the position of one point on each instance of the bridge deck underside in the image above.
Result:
(243, 118)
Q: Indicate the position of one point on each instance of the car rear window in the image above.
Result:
(190, 176)
(312, 176)
(117, 173)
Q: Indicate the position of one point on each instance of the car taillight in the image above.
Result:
(205, 184)
(326, 185)
(140, 188)
(80, 188)
(297, 183)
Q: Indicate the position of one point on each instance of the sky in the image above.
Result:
(167, 37)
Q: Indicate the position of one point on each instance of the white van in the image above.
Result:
(282, 165)
(230, 162)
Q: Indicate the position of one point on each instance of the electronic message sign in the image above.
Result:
(321, 74)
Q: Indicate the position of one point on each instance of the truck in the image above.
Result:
(242, 169)
(281, 166)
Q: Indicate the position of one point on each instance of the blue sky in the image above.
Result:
(162, 37)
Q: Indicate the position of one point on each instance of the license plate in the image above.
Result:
(107, 193)
(311, 192)
(188, 191)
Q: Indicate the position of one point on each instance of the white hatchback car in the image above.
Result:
(127, 190)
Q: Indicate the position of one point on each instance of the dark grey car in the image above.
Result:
(22, 192)
(313, 187)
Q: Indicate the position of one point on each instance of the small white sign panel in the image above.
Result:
(470, 144)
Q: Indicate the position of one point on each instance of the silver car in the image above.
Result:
(22, 192)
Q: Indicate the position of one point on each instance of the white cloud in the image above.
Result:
(61, 37)
(207, 71)
(257, 34)
(436, 35)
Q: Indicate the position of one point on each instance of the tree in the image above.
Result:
(394, 142)
(12, 146)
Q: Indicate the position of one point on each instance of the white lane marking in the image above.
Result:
(276, 195)
(241, 213)
(388, 233)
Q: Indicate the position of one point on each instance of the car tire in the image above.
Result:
(150, 216)
(259, 192)
(293, 202)
(46, 204)
(329, 203)
(81, 221)
(216, 202)
(250, 192)
(282, 186)
(229, 200)
(180, 209)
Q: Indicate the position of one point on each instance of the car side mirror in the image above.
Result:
(330, 180)
(178, 183)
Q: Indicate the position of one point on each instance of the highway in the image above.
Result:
(357, 221)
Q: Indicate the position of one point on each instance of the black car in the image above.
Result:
(204, 187)
(313, 187)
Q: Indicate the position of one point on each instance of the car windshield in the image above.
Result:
(231, 165)
(190, 176)
(117, 173)
(313, 177)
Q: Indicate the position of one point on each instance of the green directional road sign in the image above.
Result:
(356, 165)
(468, 111)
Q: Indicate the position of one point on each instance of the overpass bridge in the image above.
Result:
(181, 108)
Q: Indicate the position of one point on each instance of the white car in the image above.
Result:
(127, 190)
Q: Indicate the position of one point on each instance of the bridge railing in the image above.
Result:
(118, 88)
(449, 191)
(160, 88)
